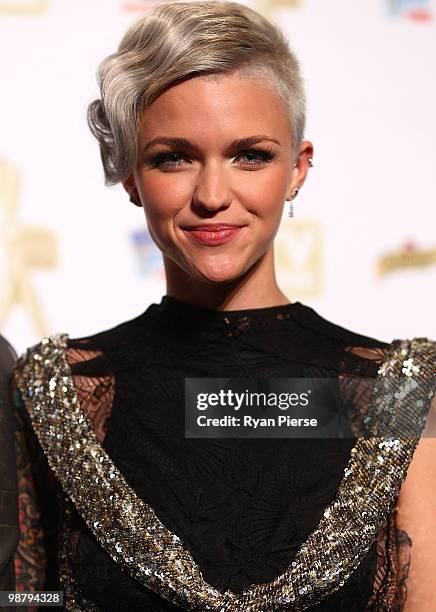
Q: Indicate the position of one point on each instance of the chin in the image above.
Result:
(223, 270)
(217, 275)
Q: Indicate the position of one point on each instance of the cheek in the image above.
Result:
(266, 194)
(267, 207)
(159, 222)
(159, 214)
(162, 199)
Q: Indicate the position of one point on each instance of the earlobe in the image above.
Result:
(135, 201)
(290, 194)
(129, 186)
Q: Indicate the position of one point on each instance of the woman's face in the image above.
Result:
(209, 176)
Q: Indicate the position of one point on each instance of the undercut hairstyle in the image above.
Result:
(181, 39)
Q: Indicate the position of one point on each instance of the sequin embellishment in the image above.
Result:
(134, 536)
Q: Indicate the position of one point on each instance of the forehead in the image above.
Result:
(215, 105)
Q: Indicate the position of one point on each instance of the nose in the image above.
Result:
(212, 191)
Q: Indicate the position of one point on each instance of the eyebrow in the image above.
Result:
(230, 145)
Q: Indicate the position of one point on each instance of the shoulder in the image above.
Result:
(59, 362)
(8, 477)
(126, 332)
(34, 367)
(99, 346)
(330, 329)
(411, 358)
(393, 351)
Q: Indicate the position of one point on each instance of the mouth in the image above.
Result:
(212, 227)
(212, 235)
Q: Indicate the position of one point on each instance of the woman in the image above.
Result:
(201, 118)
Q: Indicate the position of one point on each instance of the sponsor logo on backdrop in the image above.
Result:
(417, 10)
(407, 256)
(23, 248)
(148, 258)
(23, 7)
(299, 255)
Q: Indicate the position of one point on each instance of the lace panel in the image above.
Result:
(95, 393)
(393, 561)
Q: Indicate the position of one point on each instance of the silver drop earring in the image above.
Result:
(291, 205)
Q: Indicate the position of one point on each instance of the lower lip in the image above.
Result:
(213, 238)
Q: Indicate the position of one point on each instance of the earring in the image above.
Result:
(291, 205)
(310, 160)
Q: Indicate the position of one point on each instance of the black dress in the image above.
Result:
(243, 507)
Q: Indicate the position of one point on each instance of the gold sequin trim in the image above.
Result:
(135, 538)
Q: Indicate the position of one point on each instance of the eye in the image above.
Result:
(172, 159)
(261, 155)
(164, 159)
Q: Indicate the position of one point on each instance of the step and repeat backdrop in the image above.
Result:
(76, 256)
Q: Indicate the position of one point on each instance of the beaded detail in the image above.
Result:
(134, 536)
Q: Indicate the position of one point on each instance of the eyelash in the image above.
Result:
(266, 155)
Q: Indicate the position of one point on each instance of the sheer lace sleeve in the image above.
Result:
(393, 544)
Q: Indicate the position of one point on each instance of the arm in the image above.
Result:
(417, 516)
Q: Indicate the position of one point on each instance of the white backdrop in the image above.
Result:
(82, 248)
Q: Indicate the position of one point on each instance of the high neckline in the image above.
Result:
(189, 323)
(173, 305)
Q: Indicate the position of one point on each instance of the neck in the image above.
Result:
(257, 288)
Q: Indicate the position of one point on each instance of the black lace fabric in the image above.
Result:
(243, 507)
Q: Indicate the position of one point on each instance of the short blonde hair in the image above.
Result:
(181, 39)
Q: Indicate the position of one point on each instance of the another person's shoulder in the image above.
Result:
(8, 477)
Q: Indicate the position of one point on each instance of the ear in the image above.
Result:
(301, 167)
(130, 186)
